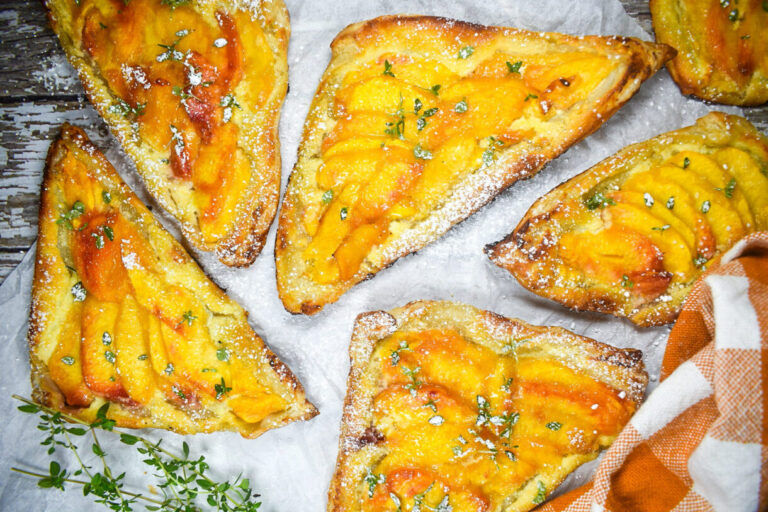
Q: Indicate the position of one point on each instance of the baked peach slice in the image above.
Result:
(632, 234)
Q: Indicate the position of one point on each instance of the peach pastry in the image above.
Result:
(631, 235)
(418, 122)
(121, 314)
(450, 408)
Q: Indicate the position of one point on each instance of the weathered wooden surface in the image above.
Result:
(38, 91)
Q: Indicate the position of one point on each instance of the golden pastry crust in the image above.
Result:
(632, 234)
(722, 47)
(194, 98)
(479, 108)
(122, 314)
(526, 393)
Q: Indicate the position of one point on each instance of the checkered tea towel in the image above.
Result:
(700, 440)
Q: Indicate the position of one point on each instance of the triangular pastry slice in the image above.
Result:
(418, 122)
(193, 90)
(122, 314)
(452, 408)
(631, 235)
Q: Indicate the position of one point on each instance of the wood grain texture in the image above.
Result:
(39, 90)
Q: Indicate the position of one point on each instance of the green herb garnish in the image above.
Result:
(66, 218)
(372, 479)
(514, 68)
(705, 206)
(388, 69)
(729, 188)
(344, 213)
(626, 282)
(221, 389)
(123, 108)
(175, 3)
(671, 202)
(648, 198)
(327, 196)
(530, 97)
(598, 200)
(686, 162)
(68, 360)
(541, 493)
(435, 89)
(466, 52)
(109, 356)
(222, 354)
(421, 153)
(554, 425)
(78, 292)
(461, 106)
(188, 317)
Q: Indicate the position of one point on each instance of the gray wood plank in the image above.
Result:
(32, 63)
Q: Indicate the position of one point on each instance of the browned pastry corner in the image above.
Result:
(193, 90)
(632, 234)
(452, 408)
(122, 315)
(418, 122)
(722, 47)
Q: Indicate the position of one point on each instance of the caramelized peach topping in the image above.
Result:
(665, 224)
(407, 129)
(132, 337)
(463, 425)
(174, 78)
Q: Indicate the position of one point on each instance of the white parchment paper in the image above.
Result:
(292, 466)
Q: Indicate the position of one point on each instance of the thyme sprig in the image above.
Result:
(182, 480)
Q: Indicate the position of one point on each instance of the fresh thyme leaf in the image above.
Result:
(78, 292)
(705, 206)
(530, 97)
(123, 108)
(343, 213)
(106, 196)
(68, 360)
(671, 202)
(598, 200)
(541, 493)
(729, 188)
(686, 162)
(554, 425)
(65, 219)
(388, 69)
(514, 68)
(435, 89)
(372, 479)
(648, 198)
(222, 354)
(183, 479)
(461, 106)
(421, 153)
(188, 317)
(173, 4)
(733, 15)
(327, 196)
(626, 282)
(660, 228)
(221, 389)
(466, 52)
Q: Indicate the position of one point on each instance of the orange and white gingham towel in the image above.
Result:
(700, 440)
